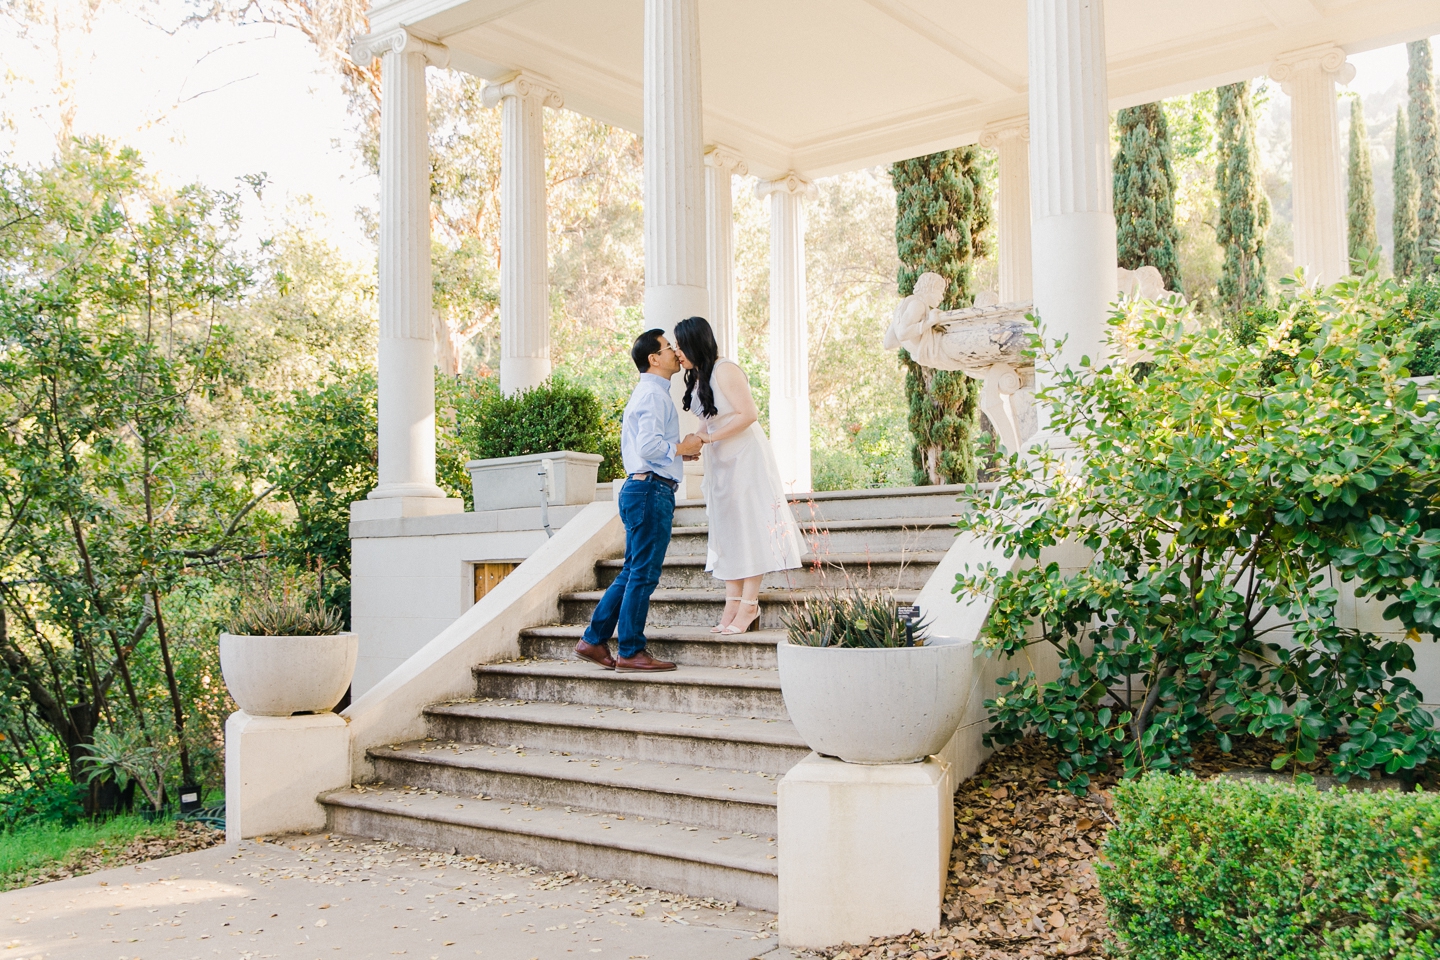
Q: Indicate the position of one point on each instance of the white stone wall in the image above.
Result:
(411, 577)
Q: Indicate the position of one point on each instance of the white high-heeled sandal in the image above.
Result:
(721, 626)
(730, 629)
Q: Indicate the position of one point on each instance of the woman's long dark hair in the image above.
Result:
(697, 341)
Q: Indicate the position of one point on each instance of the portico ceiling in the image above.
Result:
(825, 86)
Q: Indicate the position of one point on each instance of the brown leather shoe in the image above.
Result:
(597, 653)
(642, 662)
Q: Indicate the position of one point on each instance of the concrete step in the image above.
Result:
(907, 534)
(767, 745)
(689, 646)
(675, 608)
(722, 799)
(938, 501)
(838, 571)
(685, 858)
(713, 691)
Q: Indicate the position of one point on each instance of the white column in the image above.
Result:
(720, 165)
(1071, 207)
(407, 345)
(1309, 76)
(789, 335)
(1011, 140)
(674, 165)
(524, 256)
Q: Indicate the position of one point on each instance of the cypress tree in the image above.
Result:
(1145, 231)
(942, 211)
(1425, 156)
(1406, 225)
(1244, 208)
(1361, 208)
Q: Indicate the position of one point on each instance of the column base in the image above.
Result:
(276, 767)
(396, 507)
(844, 827)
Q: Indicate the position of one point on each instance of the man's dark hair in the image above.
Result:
(645, 344)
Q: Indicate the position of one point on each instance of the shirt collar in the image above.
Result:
(656, 378)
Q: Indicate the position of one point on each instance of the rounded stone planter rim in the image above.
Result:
(280, 676)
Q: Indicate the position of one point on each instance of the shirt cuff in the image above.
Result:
(672, 449)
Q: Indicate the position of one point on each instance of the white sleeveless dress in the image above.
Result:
(752, 529)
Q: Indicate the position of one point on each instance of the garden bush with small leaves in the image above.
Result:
(1225, 496)
(1229, 870)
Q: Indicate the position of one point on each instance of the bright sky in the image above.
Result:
(220, 101)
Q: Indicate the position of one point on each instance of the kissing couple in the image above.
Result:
(752, 530)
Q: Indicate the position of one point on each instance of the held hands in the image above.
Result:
(689, 448)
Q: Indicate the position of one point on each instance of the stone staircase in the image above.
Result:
(666, 780)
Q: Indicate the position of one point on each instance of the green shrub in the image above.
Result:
(1422, 309)
(556, 415)
(1222, 499)
(1224, 869)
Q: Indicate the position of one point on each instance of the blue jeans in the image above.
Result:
(647, 508)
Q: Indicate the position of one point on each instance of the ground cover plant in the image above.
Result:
(1226, 494)
(1229, 869)
(43, 851)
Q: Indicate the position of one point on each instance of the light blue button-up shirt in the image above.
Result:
(650, 431)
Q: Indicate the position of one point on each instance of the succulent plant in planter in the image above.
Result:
(287, 653)
(866, 684)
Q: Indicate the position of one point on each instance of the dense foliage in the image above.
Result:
(1145, 230)
(1424, 155)
(1360, 197)
(1229, 870)
(1404, 222)
(556, 415)
(1226, 501)
(942, 211)
(1244, 209)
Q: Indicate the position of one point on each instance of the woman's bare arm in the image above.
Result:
(730, 379)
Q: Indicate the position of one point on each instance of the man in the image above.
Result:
(653, 453)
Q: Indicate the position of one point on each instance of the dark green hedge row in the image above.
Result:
(556, 415)
(1226, 869)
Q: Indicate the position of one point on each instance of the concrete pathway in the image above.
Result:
(320, 897)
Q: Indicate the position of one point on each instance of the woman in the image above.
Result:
(752, 530)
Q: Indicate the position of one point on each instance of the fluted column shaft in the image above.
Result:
(1309, 76)
(524, 256)
(1011, 141)
(1071, 207)
(720, 166)
(789, 333)
(674, 165)
(406, 349)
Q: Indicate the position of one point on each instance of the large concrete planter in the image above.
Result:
(887, 705)
(281, 676)
(505, 483)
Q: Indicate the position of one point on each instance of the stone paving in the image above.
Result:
(314, 897)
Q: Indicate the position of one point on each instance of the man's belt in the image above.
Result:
(642, 477)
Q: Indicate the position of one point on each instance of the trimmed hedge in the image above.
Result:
(556, 415)
(1229, 869)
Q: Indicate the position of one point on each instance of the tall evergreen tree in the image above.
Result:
(1244, 208)
(1363, 235)
(1145, 230)
(1425, 156)
(942, 210)
(1405, 224)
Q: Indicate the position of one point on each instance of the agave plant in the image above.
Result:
(853, 619)
(286, 611)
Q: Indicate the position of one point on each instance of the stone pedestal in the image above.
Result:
(275, 767)
(863, 849)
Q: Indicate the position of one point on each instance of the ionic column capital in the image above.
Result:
(725, 160)
(372, 45)
(792, 183)
(999, 131)
(521, 84)
(1326, 59)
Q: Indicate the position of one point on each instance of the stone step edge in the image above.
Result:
(917, 558)
(701, 634)
(718, 596)
(878, 523)
(584, 670)
(370, 801)
(597, 777)
(616, 722)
